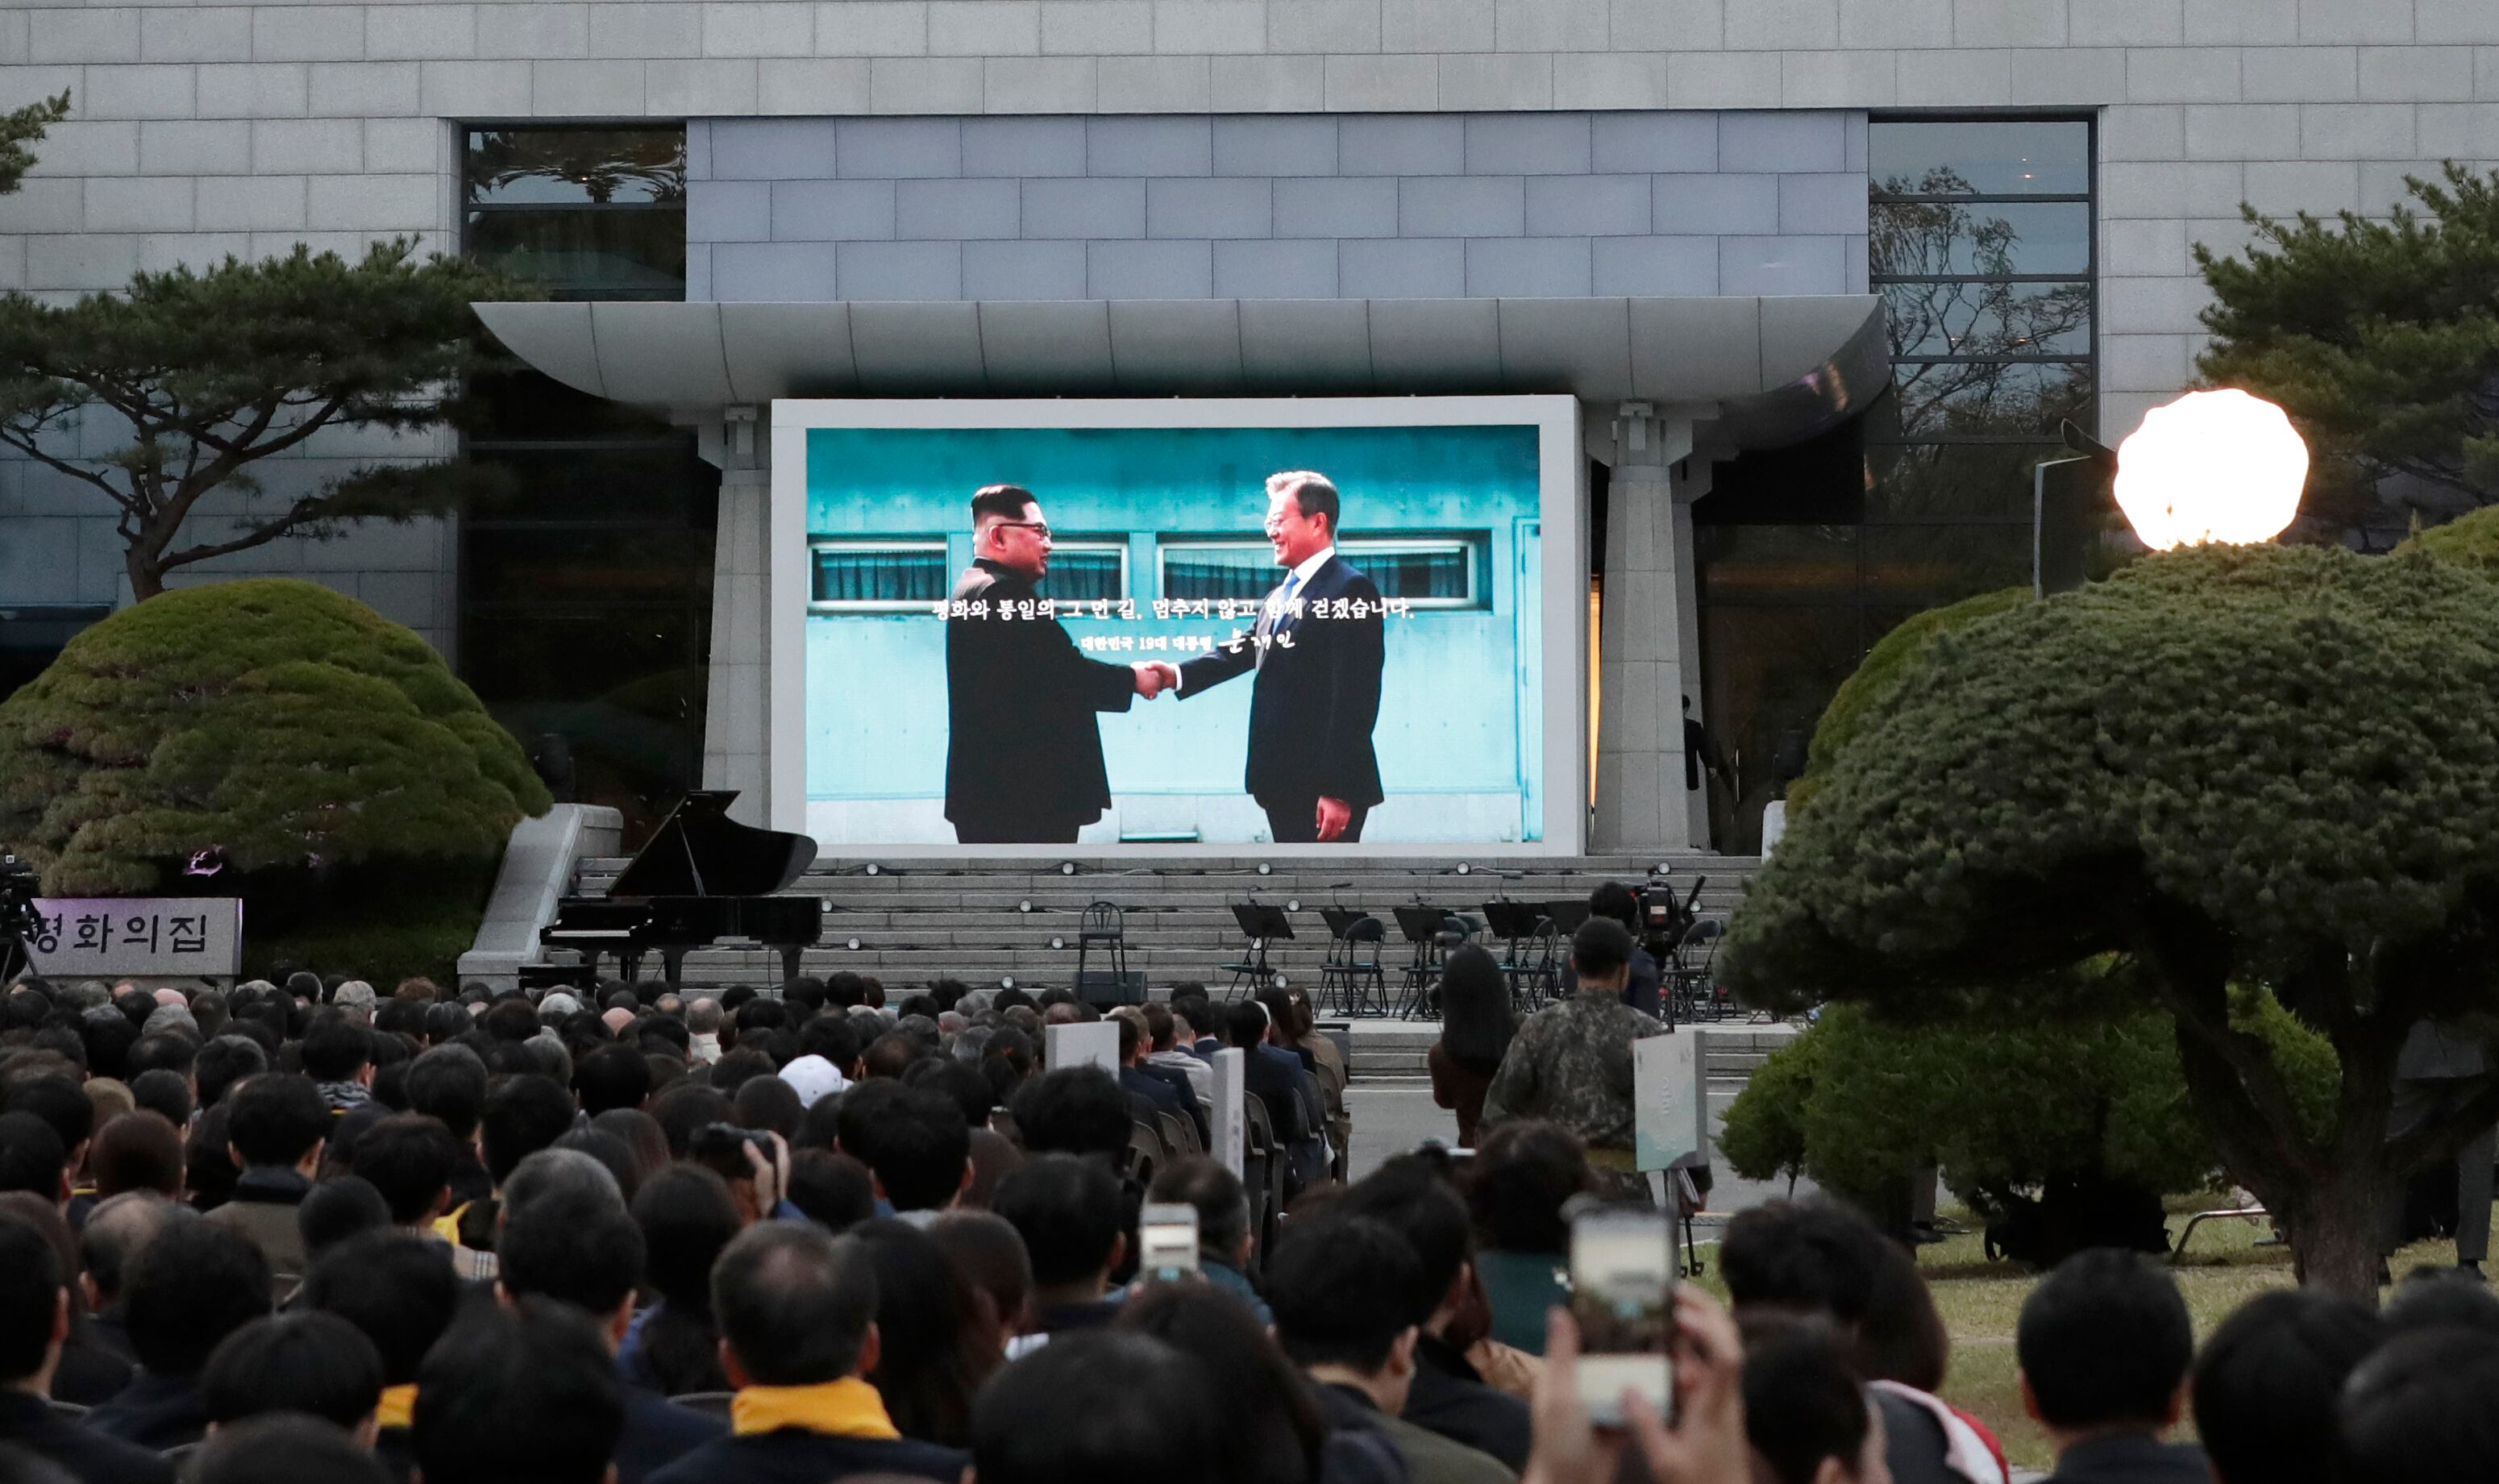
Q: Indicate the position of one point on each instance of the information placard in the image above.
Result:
(1667, 1090)
(1231, 1115)
(1095, 1044)
(111, 936)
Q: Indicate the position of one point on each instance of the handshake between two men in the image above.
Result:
(1333, 816)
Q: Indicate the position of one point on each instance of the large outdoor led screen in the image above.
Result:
(963, 676)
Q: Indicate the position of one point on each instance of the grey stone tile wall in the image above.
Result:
(1256, 207)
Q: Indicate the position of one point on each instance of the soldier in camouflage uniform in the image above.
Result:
(1572, 1062)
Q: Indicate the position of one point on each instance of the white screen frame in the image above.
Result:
(1561, 479)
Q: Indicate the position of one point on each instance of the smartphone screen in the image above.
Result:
(1622, 1292)
(1167, 1243)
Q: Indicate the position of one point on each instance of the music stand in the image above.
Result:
(1513, 921)
(1567, 916)
(1422, 927)
(1259, 924)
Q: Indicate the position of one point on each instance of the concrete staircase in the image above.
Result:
(987, 922)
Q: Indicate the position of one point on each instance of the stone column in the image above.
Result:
(737, 729)
(1643, 644)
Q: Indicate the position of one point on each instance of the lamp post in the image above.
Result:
(2219, 466)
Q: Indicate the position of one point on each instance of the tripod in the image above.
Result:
(18, 919)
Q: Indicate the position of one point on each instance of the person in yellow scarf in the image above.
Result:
(796, 1309)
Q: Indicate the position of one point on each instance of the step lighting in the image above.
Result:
(1059, 942)
(1295, 905)
(1006, 982)
(871, 868)
(1025, 906)
(854, 944)
(1265, 869)
(1067, 868)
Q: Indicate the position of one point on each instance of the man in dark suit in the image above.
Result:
(1318, 649)
(1161, 1088)
(1023, 755)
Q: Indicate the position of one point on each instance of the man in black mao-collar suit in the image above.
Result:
(1023, 755)
(1310, 766)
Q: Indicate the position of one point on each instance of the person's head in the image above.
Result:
(279, 1122)
(338, 1209)
(960, 1083)
(1900, 1337)
(1150, 1414)
(889, 1055)
(2103, 1343)
(1066, 1208)
(410, 1158)
(1272, 1428)
(192, 1285)
(1244, 1024)
(687, 1216)
(583, 1253)
(2442, 1298)
(1341, 1288)
(60, 1101)
(614, 1075)
(1222, 1205)
(1803, 1257)
(1409, 1197)
(685, 1106)
(396, 1287)
(1073, 1111)
(1806, 1412)
(285, 1448)
(1008, 529)
(2419, 1409)
(222, 1063)
(767, 1103)
(526, 1396)
(34, 1304)
(834, 1190)
(641, 1133)
(987, 1250)
(796, 1307)
(561, 1175)
(117, 1232)
(704, 1016)
(449, 1083)
(1616, 902)
(1475, 1020)
(337, 1048)
(1302, 513)
(32, 1158)
(2266, 1385)
(1601, 952)
(523, 1116)
(922, 1151)
(164, 1092)
(1524, 1172)
(312, 1363)
(933, 1351)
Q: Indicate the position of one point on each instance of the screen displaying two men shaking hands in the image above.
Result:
(1023, 761)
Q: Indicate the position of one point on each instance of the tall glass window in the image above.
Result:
(585, 587)
(1981, 246)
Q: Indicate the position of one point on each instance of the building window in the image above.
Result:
(1088, 572)
(32, 636)
(1436, 572)
(585, 589)
(1981, 234)
(586, 214)
(878, 576)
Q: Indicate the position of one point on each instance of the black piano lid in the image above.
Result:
(700, 851)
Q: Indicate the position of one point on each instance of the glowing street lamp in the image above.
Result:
(2211, 466)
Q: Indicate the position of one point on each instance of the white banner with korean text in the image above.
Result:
(114, 936)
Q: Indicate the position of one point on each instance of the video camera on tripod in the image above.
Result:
(1665, 919)
(19, 923)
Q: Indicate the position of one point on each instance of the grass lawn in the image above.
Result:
(1980, 1300)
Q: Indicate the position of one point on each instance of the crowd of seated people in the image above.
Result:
(310, 1234)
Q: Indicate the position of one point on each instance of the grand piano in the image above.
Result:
(701, 878)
